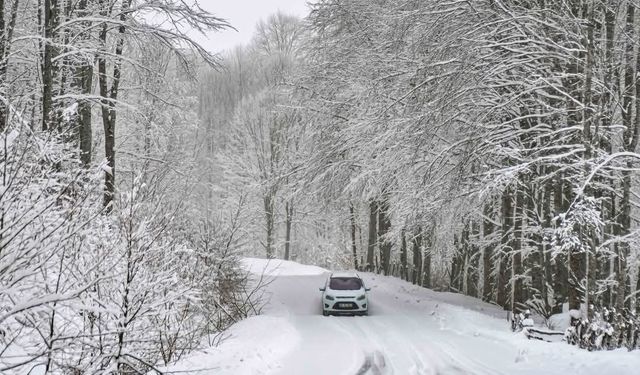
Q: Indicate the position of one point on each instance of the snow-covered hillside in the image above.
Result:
(410, 330)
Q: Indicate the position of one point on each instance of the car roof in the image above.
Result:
(345, 274)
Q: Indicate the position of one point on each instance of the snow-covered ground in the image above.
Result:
(410, 330)
(277, 267)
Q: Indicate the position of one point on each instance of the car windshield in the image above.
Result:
(345, 283)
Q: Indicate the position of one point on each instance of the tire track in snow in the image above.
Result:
(439, 340)
(374, 364)
(412, 328)
(404, 353)
(325, 347)
(397, 338)
(389, 348)
(425, 349)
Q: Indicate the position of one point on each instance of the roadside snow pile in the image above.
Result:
(256, 345)
(277, 267)
(560, 322)
(471, 335)
(450, 298)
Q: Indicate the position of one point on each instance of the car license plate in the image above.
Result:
(345, 305)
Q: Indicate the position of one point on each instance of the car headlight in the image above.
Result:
(360, 298)
(330, 298)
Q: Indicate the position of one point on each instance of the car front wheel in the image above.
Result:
(325, 313)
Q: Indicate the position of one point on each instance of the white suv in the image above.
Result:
(344, 293)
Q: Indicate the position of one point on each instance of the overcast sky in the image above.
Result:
(243, 15)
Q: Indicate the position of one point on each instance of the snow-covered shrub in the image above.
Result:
(578, 227)
(44, 209)
(228, 292)
(83, 290)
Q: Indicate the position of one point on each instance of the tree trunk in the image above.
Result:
(269, 223)
(354, 249)
(85, 76)
(487, 254)
(465, 262)
(384, 225)
(62, 70)
(537, 256)
(611, 80)
(109, 99)
(4, 41)
(289, 218)
(417, 259)
(425, 260)
(574, 119)
(576, 275)
(506, 234)
(517, 271)
(456, 260)
(373, 234)
(630, 141)
(473, 279)
(6, 34)
(587, 119)
(403, 256)
(84, 82)
(50, 17)
(543, 249)
(624, 223)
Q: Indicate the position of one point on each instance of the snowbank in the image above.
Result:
(256, 345)
(278, 267)
(560, 322)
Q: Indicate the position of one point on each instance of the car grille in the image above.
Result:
(345, 306)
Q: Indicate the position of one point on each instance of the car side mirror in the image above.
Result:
(367, 289)
(322, 289)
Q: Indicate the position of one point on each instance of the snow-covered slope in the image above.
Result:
(278, 267)
(256, 345)
(410, 330)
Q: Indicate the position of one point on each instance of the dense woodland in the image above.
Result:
(108, 261)
(500, 142)
(484, 147)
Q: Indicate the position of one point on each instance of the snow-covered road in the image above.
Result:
(410, 330)
(403, 334)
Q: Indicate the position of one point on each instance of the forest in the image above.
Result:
(484, 147)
